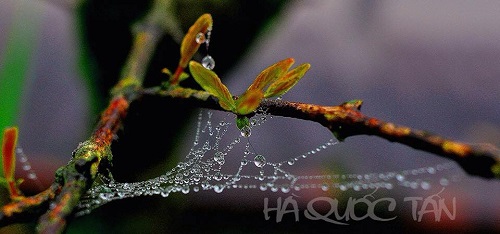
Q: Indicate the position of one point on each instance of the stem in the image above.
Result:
(82, 170)
(346, 120)
(73, 180)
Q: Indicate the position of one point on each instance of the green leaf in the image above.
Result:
(242, 122)
(249, 101)
(353, 104)
(286, 82)
(211, 83)
(271, 73)
(182, 75)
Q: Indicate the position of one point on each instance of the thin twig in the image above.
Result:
(346, 120)
(73, 180)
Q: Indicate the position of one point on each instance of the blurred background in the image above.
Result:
(430, 65)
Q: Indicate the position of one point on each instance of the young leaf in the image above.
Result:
(189, 46)
(8, 152)
(9, 143)
(211, 83)
(249, 101)
(242, 122)
(353, 104)
(182, 76)
(271, 73)
(286, 82)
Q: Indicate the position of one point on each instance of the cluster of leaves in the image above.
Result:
(278, 78)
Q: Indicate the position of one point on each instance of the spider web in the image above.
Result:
(223, 158)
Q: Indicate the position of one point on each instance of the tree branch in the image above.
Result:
(73, 180)
(346, 120)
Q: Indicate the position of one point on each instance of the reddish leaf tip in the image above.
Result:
(8, 151)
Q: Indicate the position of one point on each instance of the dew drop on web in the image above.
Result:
(259, 160)
(218, 188)
(246, 131)
(219, 157)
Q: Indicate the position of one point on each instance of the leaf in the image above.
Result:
(286, 82)
(242, 122)
(189, 46)
(271, 73)
(353, 104)
(182, 76)
(166, 71)
(8, 152)
(211, 83)
(9, 144)
(249, 101)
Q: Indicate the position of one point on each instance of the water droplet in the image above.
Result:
(246, 131)
(105, 197)
(165, 193)
(263, 187)
(200, 38)
(26, 167)
(218, 188)
(425, 185)
(185, 189)
(259, 160)
(324, 187)
(208, 62)
(32, 176)
(400, 177)
(431, 170)
(244, 162)
(219, 157)
(197, 177)
(218, 176)
(444, 182)
(23, 159)
(291, 161)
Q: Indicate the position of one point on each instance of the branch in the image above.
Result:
(93, 155)
(346, 120)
